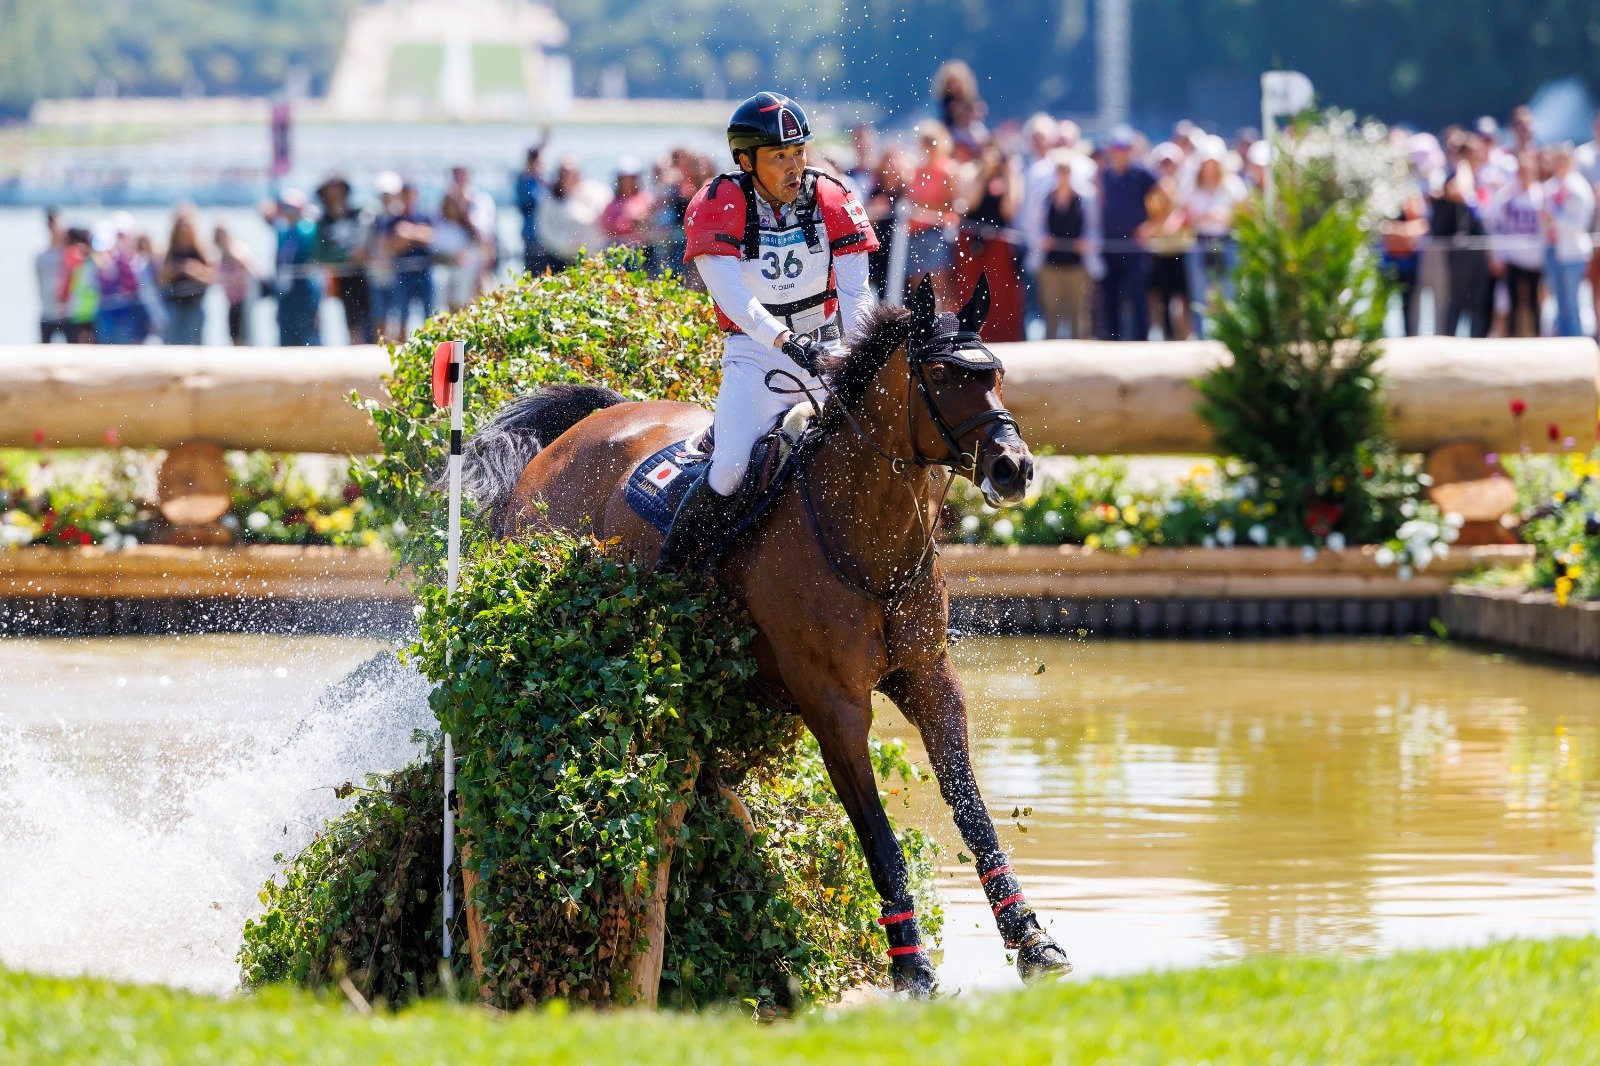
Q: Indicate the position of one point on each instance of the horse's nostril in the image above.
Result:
(1005, 470)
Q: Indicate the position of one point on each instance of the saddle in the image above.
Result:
(657, 485)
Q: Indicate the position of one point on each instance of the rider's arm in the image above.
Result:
(724, 279)
(856, 299)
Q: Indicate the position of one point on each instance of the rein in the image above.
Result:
(954, 461)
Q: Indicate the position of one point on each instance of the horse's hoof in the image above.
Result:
(1038, 956)
(914, 976)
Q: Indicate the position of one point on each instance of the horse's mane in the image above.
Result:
(851, 374)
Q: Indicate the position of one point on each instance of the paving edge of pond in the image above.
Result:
(1524, 621)
(1188, 592)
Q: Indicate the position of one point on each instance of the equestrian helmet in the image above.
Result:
(767, 120)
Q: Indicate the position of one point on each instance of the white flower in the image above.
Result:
(1408, 508)
(1453, 520)
(1124, 500)
(1122, 538)
(112, 542)
(1441, 551)
(14, 536)
(1208, 541)
(969, 524)
(416, 612)
(1257, 534)
(398, 529)
(105, 528)
(257, 521)
(1175, 507)
(1422, 555)
(130, 541)
(1336, 541)
(1309, 553)
(230, 522)
(1404, 573)
(1003, 528)
(1226, 536)
(1384, 556)
(1052, 519)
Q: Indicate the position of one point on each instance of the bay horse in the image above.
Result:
(839, 573)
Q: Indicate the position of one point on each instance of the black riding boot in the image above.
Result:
(698, 522)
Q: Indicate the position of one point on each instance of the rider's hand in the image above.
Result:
(804, 350)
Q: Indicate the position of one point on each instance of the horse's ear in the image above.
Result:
(922, 310)
(973, 315)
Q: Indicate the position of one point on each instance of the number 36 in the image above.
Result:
(791, 267)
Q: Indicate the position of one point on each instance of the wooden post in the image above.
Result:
(644, 969)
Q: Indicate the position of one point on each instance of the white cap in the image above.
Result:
(387, 182)
(1260, 154)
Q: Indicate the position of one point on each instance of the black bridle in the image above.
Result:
(960, 349)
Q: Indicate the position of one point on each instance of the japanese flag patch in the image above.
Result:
(663, 474)
(857, 213)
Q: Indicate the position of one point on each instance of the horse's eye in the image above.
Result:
(938, 374)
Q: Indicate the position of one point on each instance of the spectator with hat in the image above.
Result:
(341, 248)
(1124, 185)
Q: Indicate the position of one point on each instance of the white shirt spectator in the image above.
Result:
(1570, 202)
(1514, 222)
(1211, 210)
(573, 223)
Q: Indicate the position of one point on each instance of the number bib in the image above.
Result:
(787, 271)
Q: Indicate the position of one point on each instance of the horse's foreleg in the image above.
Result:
(841, 729)
(934, 702)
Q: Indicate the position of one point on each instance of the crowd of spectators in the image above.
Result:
(1121, 238)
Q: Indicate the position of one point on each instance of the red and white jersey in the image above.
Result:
(785, 251)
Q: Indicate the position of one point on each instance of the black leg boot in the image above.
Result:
(696, 525)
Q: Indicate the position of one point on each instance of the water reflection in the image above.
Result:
(1185, 802)
(1192, 802)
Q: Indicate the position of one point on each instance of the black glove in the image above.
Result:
(804, 350)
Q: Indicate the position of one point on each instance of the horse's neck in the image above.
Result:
(857, 491)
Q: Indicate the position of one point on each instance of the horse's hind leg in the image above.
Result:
(841, 725)
(934, 702)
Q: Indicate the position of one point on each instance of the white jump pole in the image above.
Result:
(894, 288)
(449, 387)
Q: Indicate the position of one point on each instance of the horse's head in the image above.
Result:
(957, 417)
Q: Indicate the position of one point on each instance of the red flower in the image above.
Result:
(84, 538)
(49, 521)
(1553, 431)
(294, 517)
(69, 533)
(352, 493)
(1322, 517)
(38, 437)
(112, 437)
(1518, 408)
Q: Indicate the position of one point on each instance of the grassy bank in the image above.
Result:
(1520, 1001)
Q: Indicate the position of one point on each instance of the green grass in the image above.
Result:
(1518, 1001)
(497, 68)
(414, 70)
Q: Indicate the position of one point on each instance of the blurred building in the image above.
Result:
(456, 59)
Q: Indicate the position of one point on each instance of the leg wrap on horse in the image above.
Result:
(899, 923)
(1012, 914)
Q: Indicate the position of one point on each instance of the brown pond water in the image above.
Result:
(1191, 802)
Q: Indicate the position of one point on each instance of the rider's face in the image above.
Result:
(779, 170)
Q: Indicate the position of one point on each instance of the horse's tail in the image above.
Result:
(499, 451)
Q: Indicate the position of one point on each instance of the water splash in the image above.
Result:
(135, 847)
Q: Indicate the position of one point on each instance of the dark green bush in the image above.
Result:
(1301, 401)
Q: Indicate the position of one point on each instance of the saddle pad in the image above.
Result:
(657, 485)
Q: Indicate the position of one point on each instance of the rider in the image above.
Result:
(779, 246)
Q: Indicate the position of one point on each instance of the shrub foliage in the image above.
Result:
(589, 698)
(1301, 402)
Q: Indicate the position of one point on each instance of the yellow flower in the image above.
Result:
(1338, 483)
(1576, 549)
(1092, 540)
(1130, 515)
(1247, 507)
(1563, 590)
(1269, 508)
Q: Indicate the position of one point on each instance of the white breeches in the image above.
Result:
(747, 408)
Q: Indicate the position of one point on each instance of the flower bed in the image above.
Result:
(107, 499)
(1096, 504)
